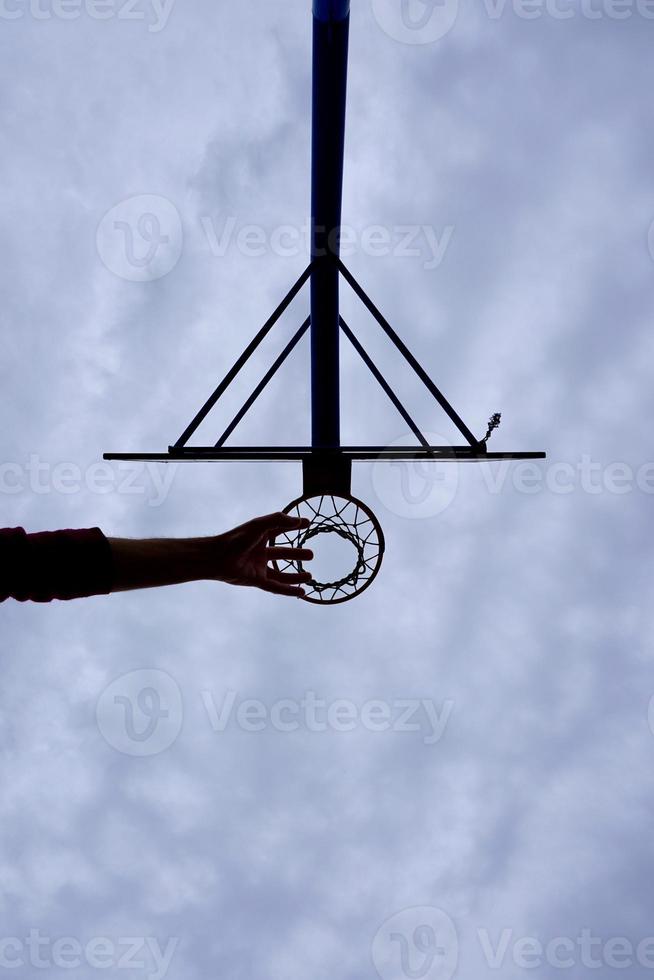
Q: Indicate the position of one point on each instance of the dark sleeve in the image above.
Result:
(54, 564)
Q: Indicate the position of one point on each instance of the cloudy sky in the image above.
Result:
(451, 776)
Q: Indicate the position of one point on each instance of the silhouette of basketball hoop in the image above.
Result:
(327, 465)
(352, 521)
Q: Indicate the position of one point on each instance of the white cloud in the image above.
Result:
(271, 853)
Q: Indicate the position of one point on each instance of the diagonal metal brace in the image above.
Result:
(268, 376)
(368, 361)
(244, 358)
(408, 356)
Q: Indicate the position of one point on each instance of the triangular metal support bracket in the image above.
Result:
(328, 468)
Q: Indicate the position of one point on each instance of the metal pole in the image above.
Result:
(331, 21)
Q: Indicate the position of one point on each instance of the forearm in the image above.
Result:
(151, 563)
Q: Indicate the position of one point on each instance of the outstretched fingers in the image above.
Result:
(286, 583)
(288, 578)
(278, 588)
(288, 554)
(273, 524)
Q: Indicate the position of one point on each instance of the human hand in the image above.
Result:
(242, 556)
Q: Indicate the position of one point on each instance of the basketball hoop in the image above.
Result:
(352, 521)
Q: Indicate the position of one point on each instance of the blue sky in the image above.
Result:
(451, 776)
